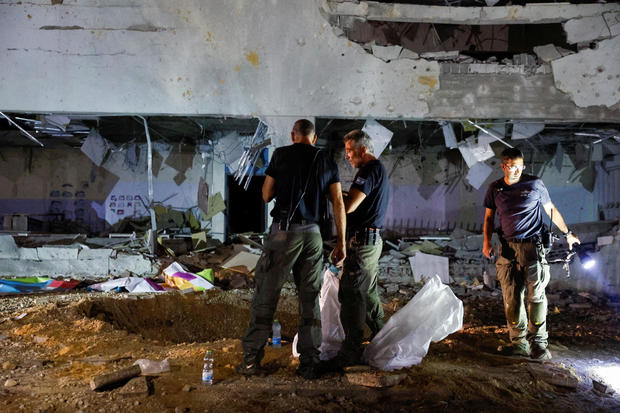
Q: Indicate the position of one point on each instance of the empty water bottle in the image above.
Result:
(207, 369)
(276, 334)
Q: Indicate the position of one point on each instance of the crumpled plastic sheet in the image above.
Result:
(331, 327)
(431, 315)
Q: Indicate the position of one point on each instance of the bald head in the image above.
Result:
(303, 132)
(303, 127)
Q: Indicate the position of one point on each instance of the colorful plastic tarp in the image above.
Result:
(131, 284)
(178, 277)
(34, 285)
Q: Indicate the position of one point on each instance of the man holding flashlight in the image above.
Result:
(522, 267)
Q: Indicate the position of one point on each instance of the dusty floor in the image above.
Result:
(61, 340)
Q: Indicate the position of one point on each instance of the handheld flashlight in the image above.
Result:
(587, 262)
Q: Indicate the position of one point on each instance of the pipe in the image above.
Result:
(149, 167)
(32, 138)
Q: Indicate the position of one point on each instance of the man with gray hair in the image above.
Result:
(366, 206)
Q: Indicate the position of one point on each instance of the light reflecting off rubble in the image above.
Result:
(610, 375)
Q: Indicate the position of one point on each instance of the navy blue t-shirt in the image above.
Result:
(372, 180)
(519, 206)
(290, 167)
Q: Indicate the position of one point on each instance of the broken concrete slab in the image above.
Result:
(368, 377)
(592, 76)
(408, 54)
(547, 53)
(447, 55)
(386, 53)
(586, 29)
(138, 386)
(8, 247)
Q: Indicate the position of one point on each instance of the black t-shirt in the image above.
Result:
(373, 181)
(290, 167)
(519, 206)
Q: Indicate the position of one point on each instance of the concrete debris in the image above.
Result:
(586, 29)
(138, 386)
(10, 383)
(447, 55)
(386, 53)
(592, 76)
(554, 375)
(408, 54)
(547, 53)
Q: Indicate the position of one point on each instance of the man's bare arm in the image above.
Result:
(353, 199)
(558, 220)
(269, 188)
(489, 226)
(335, 195)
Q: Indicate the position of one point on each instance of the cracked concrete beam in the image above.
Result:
(415, 13)
(592, 76)
(586, 29)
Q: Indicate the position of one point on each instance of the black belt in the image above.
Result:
(284, 226)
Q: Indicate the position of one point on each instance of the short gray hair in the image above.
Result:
(360, 138)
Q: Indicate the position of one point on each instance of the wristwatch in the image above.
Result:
(568, 233)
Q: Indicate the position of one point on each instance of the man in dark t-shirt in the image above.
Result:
(522, 266)
(299, 176)
(366, 206)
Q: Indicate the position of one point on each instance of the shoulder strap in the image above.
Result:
(290, 216)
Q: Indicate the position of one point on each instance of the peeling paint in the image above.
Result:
(253, 58)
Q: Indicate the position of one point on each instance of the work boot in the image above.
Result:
(249, 369)
(515, 349)
(540, 352)
(309, 371)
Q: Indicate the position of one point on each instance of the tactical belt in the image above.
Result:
(365, 236)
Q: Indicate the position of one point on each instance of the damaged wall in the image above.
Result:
(270, 58)
(65, 190)
(429, 192)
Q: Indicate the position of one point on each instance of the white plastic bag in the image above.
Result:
(150, 367)
(331, 328)
(431, 315)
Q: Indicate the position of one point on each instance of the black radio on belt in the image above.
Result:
(366, 236)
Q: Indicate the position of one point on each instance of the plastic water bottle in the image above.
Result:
(276, 335)
(207, 369)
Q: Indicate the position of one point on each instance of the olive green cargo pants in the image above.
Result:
(523, 273)
(358, 296)
(299, 250)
